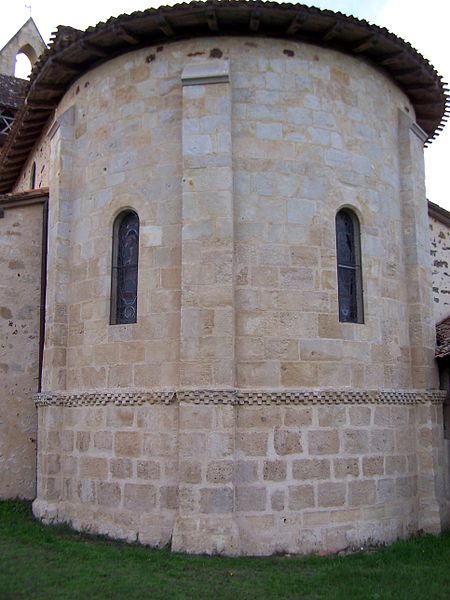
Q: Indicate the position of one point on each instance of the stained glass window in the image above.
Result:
(125, 269)
(349, 267)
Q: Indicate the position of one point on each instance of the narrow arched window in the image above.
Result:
(33, 176)
(348, 249)
(124, 278)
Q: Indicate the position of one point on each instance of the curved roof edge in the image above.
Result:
(72, 53)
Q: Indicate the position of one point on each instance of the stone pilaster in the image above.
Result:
(207, 314)
(416, 246)
(58, 276)
(434, 500)
(206, 435)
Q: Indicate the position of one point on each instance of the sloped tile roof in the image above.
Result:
(12, 91)
(443, 338)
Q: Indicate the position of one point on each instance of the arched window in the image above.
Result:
(33, 176)
(124, 277)
(348, 249)
(23, 66)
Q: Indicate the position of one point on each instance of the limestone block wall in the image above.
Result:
(440, 256)
(229, 477)
(20, 288)
(236, 154)
(111, 470)
(312, 130)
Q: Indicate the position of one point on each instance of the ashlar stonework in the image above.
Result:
(238, 415)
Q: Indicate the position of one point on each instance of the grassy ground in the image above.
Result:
(55, 562)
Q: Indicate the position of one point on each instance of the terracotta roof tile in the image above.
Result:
(443, 338)
(12, 91)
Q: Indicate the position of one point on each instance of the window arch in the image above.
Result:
(124, 276)
(348, 250)
(33, 176)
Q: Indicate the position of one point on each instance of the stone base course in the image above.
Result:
(309, 472)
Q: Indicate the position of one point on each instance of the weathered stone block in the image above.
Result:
(121, 468)
(346, 466)
(216, 500)
(258, 417)
(373, 465)
(120, 416)
(93, 468)
(274, 470)
(331, 494)
(300, 497)
(220, 472)
(103, 440)
(108, 494)
(83, 441)
(362, 492)
(249, 499)
(67, 440)
(127, 443)
(297, 416)
(356, 441)
(139, 496)
(148, 469)
(311, 468)
(245, 471)
(323, 442)
(277, 500)
(252, 443)
(287, 441)
(168, 497)
(332, 416)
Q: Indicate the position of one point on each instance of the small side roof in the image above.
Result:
(439, 213)
(12, 91)
(443, 339)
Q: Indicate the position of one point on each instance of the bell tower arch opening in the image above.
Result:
(25, 59)
(24, 47)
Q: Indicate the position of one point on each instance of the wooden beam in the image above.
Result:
(39, 86)
(35, 127)
(72, 67)
(414, 87)
(297, 23)
(424, 103)
(255, 19)
(211, 19)
(125, 35)
(333, 31)
(165, 26)
(42, 104)
(22, 146)
(365, 44)
(406, 71)
(391, 59)
(12, 161)
(26, 136)
(94, 49)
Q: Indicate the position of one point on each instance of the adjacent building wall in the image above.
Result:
(440, 258)
(20, 288)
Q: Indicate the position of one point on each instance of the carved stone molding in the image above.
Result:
(100, 398)
(240, 397)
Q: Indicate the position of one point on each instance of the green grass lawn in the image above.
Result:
(38, 561)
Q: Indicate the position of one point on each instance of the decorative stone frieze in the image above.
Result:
(240, 397)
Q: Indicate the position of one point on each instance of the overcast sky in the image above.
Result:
(423, 24)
